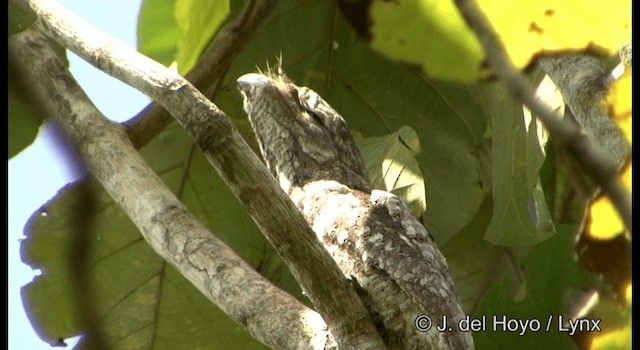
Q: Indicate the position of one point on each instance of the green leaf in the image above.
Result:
(477, 265)
(520, 217)
(442, 127)
(141, 300)
(391, 165)
(21, 16)
(198, 21)
(429, 33)
(550, 271)
(116, 248)
(160, 45)
(376, 97)
(433, 35)
(27, 109)
(615, 323)
(24, 121)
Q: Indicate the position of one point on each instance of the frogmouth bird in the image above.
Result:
(371, 234)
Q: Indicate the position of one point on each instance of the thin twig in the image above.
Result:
(603, 171)
(184, 174)
(207, 74)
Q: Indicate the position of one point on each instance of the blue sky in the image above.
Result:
(36, 174)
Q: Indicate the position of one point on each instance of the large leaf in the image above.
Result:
(429, 33)
(529, 28)
(24, 121)
(376, 97)
(160, 45)
(21, 16)
(187, 28)
(26, 108)
(142, 301)
(391, 166)
(197, 20)
(477, 265)
(550, 271)
(432, 34)
(520, 216)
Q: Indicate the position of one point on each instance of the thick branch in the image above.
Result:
(239, 167)
(595, 163)
(268, 313)
(207, 74)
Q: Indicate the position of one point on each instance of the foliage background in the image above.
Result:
(469, 147)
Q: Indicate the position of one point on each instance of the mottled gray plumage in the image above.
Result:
(371, 234)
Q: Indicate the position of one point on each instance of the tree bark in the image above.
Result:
(268, 313)
(597, 165)
(582, 80)
(274, 213)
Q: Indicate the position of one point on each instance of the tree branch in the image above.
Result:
(238, 166)
(600, 168)
(268, 313)
(208, 72)
(582, 80)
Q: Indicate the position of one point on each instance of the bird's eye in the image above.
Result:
(306, 102)
(314, 116)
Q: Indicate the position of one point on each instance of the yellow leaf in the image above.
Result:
(198, 21)
(628, 294)
(619, 101)
(603, 221)
(430, 33)
(433, 35)
(618, 339)
(529, 28)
